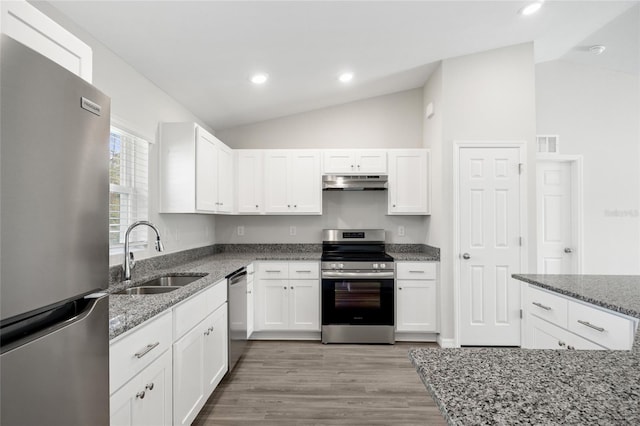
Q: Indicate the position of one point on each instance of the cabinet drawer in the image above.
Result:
(273, 270)
(416, 270)
(216, 295)
(547, 306)
(302, 270)
(604, 328)
(133, 352)
(193, 310)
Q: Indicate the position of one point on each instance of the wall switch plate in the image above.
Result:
(401, 231)
(240, 231)
(292, 230)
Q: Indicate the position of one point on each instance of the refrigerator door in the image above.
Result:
(60, 375)
(54, 159)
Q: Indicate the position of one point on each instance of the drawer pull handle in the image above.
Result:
(588, 324)
(140, 395)
(417, 272)
(149, 386)
(305, 271)
(146, 350)
(271, 270)
(540, 305)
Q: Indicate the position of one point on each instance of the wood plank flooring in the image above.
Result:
(308, 383)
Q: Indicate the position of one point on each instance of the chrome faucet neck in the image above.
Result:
(129, 261)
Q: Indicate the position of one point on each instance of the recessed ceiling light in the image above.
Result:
(259, 78)
(531, 8)
(598, 49)
(346, 77)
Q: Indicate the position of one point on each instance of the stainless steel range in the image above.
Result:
(357, 287)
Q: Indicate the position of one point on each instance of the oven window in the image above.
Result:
(357, 295)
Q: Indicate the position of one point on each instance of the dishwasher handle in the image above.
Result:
(238, 276)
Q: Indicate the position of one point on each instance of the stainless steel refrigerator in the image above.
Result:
(54, 140)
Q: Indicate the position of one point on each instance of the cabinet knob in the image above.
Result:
(140, 395)
(352, 166)
(208, 332)
(285, 287)
(399, 288)
(256, 206)
(394, 205)
(358, 165)
(288, 205)
(561, 343)
(149, 386)
(295, 206)
(291, 287)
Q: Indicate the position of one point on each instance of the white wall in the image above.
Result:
(484, 96)
(596, 113)
(390, 121)
(142, 105)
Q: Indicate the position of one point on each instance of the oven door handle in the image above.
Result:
(332, 274)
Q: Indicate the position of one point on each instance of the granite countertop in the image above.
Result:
(521, 386)
(126, 312)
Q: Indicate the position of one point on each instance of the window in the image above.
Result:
(128, 187)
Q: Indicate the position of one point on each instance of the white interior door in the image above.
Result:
(489, 229)
(556, 242)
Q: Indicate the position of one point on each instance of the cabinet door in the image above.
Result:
(306, 182)
(417, 307)
(276, 178)
(339, 161)
(304, 305)
(249, 181)
(225, 179)
(188, 372)
(250, 307)
(543, 335)
(272, 305)
(372, 161)
(146, 399)
(206, 172)
(408, 182)
(215, 349)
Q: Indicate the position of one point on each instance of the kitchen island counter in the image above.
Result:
(515, 386)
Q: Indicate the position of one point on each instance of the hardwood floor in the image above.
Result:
(308, 383)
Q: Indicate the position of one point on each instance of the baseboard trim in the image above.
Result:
(446, 343)
(285, 335)
(416, 337)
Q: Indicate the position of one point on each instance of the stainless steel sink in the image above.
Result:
(146, 290)
(161, 285)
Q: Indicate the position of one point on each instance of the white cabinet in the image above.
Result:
(250, 299)
(287, 296)
(409, 182)
(196, 171)
(417, 296)
(555, 321)
(199, 363)
(354, 161)
(26, 24)
(249, 181)
(293, 183)
(145, 399)
(140, 378)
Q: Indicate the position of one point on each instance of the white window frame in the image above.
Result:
(136, 187)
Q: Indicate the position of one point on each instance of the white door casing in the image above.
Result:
(559, 215)
(489, 227)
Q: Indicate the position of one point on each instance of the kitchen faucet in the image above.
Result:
(129, 262)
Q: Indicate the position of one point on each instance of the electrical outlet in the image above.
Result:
(401, 231)
(292, 230)
(241, 231)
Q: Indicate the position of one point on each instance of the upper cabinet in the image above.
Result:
(355, 162)
(196, 171)
(409, 182)
(292, 180)
(26, 24)
(249, 181)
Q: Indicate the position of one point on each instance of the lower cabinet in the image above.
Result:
(145, 399)
(417, 297)
(544, 335)
(199, 363)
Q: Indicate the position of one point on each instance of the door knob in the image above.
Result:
(466, 256)
(568, 250)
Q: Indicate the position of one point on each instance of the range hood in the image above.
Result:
(354, 183)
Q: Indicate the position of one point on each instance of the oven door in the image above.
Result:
(357, 300)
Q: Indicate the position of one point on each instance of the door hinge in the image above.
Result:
(520, 241)
(520, 168)
(520, 313)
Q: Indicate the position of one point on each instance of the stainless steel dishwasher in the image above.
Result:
(237, 315)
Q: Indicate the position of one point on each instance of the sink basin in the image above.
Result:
(147, 290)
(171, 281)
(161, 284)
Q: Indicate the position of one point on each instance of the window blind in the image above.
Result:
(128, 187)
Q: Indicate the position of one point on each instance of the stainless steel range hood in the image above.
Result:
(354, 183)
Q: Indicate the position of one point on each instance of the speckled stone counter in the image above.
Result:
(519, 386)
(413, 252)
(126, 312)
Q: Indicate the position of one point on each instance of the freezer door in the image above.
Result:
(62, 376)
(54, 159)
